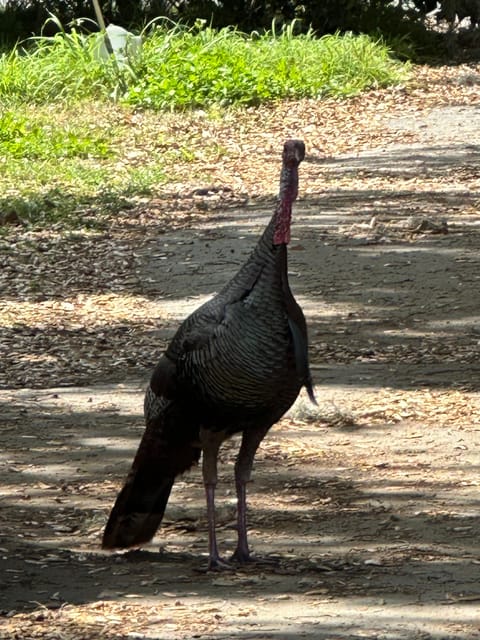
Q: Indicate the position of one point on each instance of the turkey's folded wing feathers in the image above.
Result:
(243, 367)
(197, 329)
(300, 345)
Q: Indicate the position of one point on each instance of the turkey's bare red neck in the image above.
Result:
(293, 154)
(283, 214)
(268, 260)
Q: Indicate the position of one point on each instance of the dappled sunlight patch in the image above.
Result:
(113, 443)
(83, 310)
(348, 522)
(309, 608)
(390, 406)
(167, 616)
(57, 339)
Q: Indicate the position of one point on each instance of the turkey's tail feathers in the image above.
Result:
(161, 457)
(138, 510)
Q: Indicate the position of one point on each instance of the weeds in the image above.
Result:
(227, 67)
(183, 68)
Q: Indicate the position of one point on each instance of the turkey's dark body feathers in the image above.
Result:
(236, 364)
(243, 354)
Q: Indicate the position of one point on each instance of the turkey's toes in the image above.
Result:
(242, 557)
(218, 564)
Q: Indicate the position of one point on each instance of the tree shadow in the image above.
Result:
(353, 533)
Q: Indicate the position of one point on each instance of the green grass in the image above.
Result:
(65, 141)
(183, 68)
(58, 165)
(60, 68)
(42, 139)
(198, 69)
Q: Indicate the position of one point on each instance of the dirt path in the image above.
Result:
(367, 509)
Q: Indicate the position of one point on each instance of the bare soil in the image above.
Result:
(364, 512)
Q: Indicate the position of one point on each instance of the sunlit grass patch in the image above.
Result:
(227, 67)
(184, 67)
(41, 138)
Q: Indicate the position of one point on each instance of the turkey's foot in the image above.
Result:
(242, 557)
(218, 564)
(247, 558)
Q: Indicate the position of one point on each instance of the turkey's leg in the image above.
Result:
(211, 442)
(243, 469)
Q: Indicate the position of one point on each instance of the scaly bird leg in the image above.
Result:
(243, 469)
(211, 442)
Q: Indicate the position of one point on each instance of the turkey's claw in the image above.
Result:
(242, 557)
(218, 564)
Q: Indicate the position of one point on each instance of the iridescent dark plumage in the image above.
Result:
(234, 365)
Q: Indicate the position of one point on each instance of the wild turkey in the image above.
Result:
(236, 364)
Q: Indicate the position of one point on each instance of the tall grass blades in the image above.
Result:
(183, 68)
(64, 67)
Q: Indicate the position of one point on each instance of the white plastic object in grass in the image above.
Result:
(126, 47)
